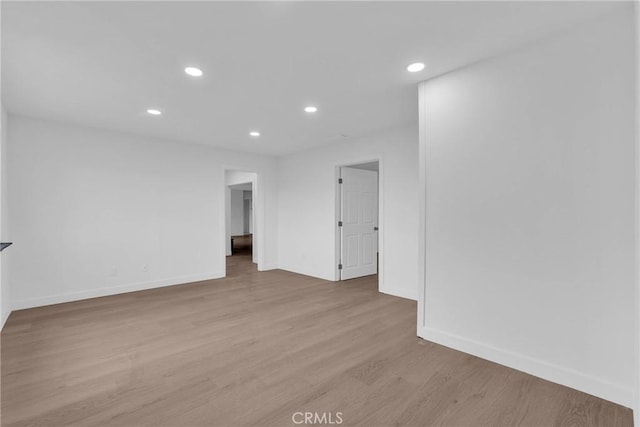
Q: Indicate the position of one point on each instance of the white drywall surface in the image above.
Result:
(97, 212)
(530, 209)
(307, 208)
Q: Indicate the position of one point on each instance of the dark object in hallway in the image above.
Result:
(242, 244)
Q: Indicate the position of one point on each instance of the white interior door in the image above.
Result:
(359, 218)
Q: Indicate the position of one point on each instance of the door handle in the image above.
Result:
(375, 228)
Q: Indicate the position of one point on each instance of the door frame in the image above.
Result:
(381, 225)
(258, 201)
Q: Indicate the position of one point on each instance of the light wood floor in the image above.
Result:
(253, 349)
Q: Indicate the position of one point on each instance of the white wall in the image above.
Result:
(91, 208)
(248, 211)
(236, 205)
(529, 161)
(5, 302)
(5, 236)
(307, 208)
(636, 408)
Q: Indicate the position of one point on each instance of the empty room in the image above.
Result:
(356, 213)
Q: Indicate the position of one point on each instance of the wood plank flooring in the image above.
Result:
(255, 348)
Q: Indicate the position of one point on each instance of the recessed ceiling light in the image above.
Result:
(193, 71)
(415, 67)
(154, 112)
(254, 133)
(310, 109)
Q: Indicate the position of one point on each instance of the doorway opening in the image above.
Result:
(358, 238)
(241, 234)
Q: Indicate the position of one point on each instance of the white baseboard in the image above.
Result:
(111, 290)
(267, 267)
(395, 293)
(548, 371)
(386, 290)
(305, 273)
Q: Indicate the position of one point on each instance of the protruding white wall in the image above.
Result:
(307, 208)
(247, 197)
(98, 212)
(5, 235)
(237, 212)
(636, 408)
(530, 174)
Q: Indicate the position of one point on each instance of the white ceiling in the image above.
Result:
(103, 64)
(242, 187)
